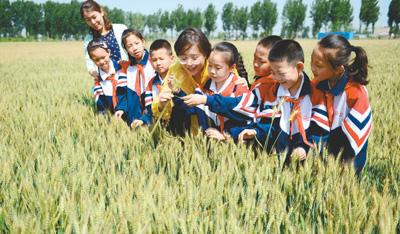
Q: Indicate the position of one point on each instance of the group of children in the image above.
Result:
(283, 110)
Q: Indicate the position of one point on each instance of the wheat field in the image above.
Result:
(64, 169)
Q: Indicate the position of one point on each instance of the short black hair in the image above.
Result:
(286, 50)
(269, 41)
(159, 44)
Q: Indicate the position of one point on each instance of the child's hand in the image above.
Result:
(119, 114)
(300, 152)
(215, 134)
(163, 98)
(241, 81)
(173, 84)
(195, 99)
(94, 74)
(247, 134)
(137, 123)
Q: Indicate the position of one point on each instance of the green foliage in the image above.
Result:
(153, 21)
(369, 13)
(136, 21)
(164, 21)
(66, 170)
(178, 16)
(210, 19)
(5, 17)
(255, 17)
(341, 15)
(116, 16)
(228, 14)
(320, 15)
(394, 17)
(269, 15)
(294, 13)
(194, 18)
(241, 21)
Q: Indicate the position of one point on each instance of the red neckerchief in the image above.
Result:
(297, 118)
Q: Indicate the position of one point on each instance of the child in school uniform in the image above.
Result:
(345, 120)
(261, 65)
(263, 76)
(133, 78)
(161, 58)
(222, 64)
(105, 83)
(281, 111)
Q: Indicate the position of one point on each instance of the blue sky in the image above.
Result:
(150, 6)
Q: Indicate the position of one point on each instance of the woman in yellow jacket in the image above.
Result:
(189, 72)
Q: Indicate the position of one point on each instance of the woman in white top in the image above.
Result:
(101, 28)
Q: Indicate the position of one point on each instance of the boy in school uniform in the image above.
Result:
(161, 58)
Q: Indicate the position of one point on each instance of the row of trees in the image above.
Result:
(56, 20)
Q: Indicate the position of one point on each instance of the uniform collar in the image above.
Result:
(213, 86)
(338, 88)
(144, 60)
(305, 88)
(158, 79)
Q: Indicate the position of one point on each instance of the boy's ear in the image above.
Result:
(300, 66)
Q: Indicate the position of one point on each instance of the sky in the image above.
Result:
(151, 6)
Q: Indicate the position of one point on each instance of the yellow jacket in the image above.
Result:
(187, 84)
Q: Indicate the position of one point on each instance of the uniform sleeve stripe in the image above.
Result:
(322, 112)
(321, 122)
(356, 142)
(359, 124)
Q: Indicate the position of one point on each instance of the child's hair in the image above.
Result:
(286, 50)
(159, 44)
(190, 37)
(91, 5)
(339, 54)
(269, 41)
(234, 57)
(95, 44)
(128, 32)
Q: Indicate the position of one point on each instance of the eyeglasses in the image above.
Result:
(194, 59)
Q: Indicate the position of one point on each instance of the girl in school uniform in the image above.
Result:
(105, 83)
(223, 61)
(133, 79)
(345, 120)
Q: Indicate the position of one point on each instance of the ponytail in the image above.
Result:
(339, 54)
(359, 67)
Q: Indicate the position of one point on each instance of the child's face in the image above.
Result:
(94, 19)
(101, 57)
(135, 47)
(287, 74)
(218, 68)
(260, 62)
(193, 60)
(321, 68)
(161, 60)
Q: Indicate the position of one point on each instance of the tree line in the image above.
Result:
(63, 20)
